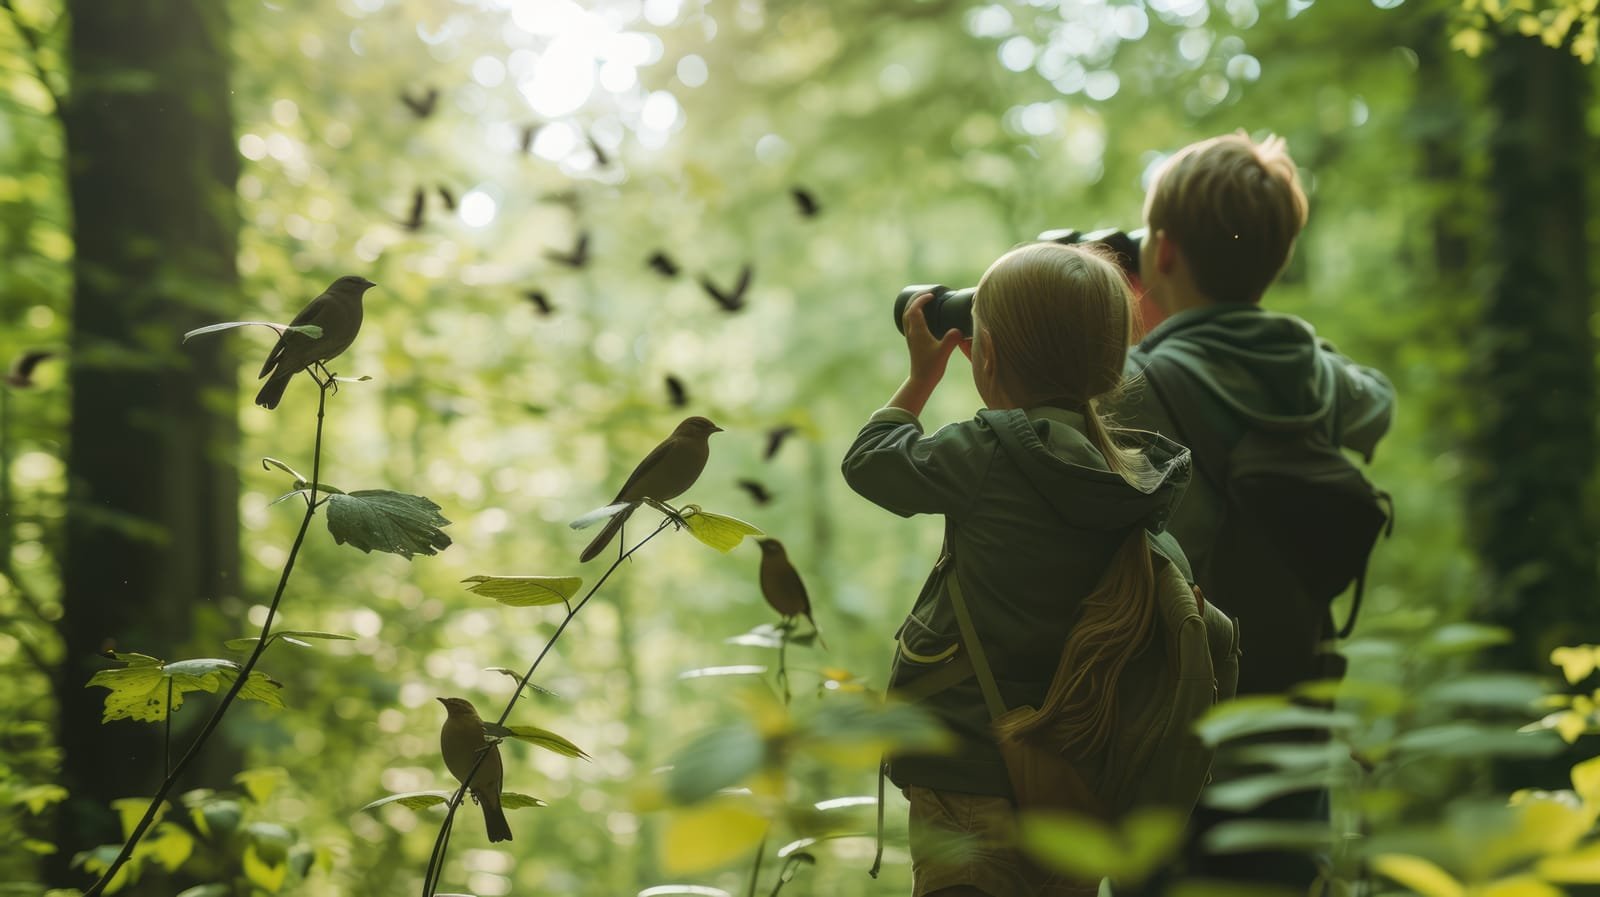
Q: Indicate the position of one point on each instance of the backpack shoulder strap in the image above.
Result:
(1178, 394)
(969, 637)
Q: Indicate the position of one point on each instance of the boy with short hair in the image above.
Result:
(1222, 216)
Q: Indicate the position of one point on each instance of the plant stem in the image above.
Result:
(436, 859)
(212, 721)
(783, 667)
(755, 872)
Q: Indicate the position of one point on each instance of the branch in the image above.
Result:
(212, 722)
(430, 879)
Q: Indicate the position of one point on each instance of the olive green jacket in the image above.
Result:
(1034, 514)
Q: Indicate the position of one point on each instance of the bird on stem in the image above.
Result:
(338, 312)
(664, 474)
(781, 585)
(460, 741)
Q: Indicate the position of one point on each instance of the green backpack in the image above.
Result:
(1154, 757)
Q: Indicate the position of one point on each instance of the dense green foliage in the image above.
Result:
(933, 134)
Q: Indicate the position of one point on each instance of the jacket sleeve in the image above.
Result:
(1365, 403)
(893, 465)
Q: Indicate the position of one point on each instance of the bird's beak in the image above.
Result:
(715, 428)
(368, 282)
(441, 700)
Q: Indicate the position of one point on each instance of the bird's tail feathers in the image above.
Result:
(272, 392)
(494, 818)
(612, 527)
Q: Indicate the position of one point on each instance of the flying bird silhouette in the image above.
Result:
(419, 200)
(448, 197)
(663, 264)
(677, 392)
(806, 201)
(577, 258)
(421, 106)
(600, 157)
(758, 493)
(731, 300)
(540, 301)
(775, 438)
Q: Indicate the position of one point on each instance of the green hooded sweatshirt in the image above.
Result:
(1034, 514)
(1260, 369)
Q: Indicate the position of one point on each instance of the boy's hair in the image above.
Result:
(1058, 321)
(1234, 207)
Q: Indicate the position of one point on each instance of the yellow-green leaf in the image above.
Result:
(1080, 846)
(1469, 41)
(1519, 886)
(534, 735)
(1581, 866)
(140, 690)
(1418, 874)
(413, 800)
(511, 800)
(1576, 663)
(267, 876)
(38, 797)
(717, 530)
(711, 834)
(526, 591)
(168, 844)
(260, 783)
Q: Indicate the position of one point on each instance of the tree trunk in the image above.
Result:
(1536, 449)
(152, 516)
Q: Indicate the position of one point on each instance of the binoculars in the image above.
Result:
(953, 308)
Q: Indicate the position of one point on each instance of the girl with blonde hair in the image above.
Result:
(1050, 514)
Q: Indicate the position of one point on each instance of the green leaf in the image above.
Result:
(738, 669)
(512, 800)
(1418, 874)
(413, 800)
(534, 735)
(1265, 713)
(1252, 791)
(214, 889)
(717, 530)
(217, 818)
(851, 729)
(132, 809)
(1514, 692)
(526, 591)
(269, 463)
(382, 520)
(1087, 848)
(139, 690)
(292, 636)
(507, 671)
(765, 635)
(1463, 638)
(310, 330)
(1467, 739)
(1251, 834)
(261, 782)
(268, 876)
(716, 759)
(167, 844)
(713, 834)
(38, 797)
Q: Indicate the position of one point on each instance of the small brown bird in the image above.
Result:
(677, 393)
(775, 438)
(781, 585)
(758, 492)
(577, 258)
(664, 474)
(338, 312)
(662, 264)
(460, 740)
(540, 301)
(807, 202)
(421, 105)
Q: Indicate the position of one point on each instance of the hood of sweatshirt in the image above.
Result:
(1264, 365)
(1055, 455)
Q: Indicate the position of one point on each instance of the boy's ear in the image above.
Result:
(1166, 252)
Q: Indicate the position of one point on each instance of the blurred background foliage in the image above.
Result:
(933, 135)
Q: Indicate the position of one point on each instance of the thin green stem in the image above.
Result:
(239, 680)
(436, 858)
(755, 871)
(783, 667)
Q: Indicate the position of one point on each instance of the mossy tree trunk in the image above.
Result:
(152, 519)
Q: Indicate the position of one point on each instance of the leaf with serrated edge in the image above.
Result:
(536, 736)
(384, 520)
(720, 531)
(139, 690)
(526, 591)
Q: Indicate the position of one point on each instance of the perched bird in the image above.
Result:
(664, 474)
(460, 740)
(422, 106)
(539, 300)
(577, 258)
(338, 312)
(775, 438)
(806, 202)
(677, 393)
(449, 198)
(663, 264)
(21, 375)
(758, 492)
(732, 300)
(781, 585)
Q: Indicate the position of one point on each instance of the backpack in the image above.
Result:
(1289, 490)
(1154, 757)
